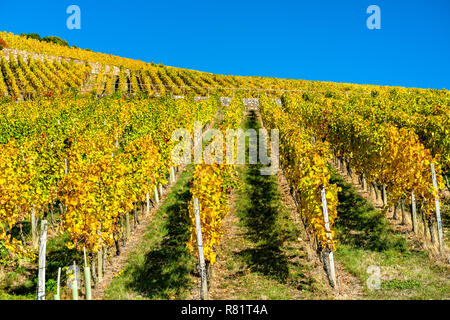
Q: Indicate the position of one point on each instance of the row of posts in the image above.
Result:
(43, 243)
(413, 203)
(328, 254)
(87, 271)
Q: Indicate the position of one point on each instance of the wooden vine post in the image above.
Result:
(127, 226)
(172, 174)
(34, 232)
(105, 256)
(100, 265)
(436, 202)
(413, 212)
(385, 202)
(201, 257)
(328, 254)
(402, 206)
(156, 195)
(42, 253)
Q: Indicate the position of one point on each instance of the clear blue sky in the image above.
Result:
(314, 40)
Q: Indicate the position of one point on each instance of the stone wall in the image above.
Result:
(40, 56)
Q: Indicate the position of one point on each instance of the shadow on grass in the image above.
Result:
(58, 255)
(166, 267)
(360, 225)
(259, 209)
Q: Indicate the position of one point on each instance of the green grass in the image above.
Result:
(15, 285)
(266, 262)
(22, 282)
(160, 267)
(365, 238)
(270, 263)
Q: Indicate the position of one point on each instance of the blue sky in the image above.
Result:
(312, 40)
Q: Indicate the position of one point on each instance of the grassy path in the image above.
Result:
(366, 238)
(161, 266)
(262, 255)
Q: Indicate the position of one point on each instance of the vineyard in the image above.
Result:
(95, 205)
